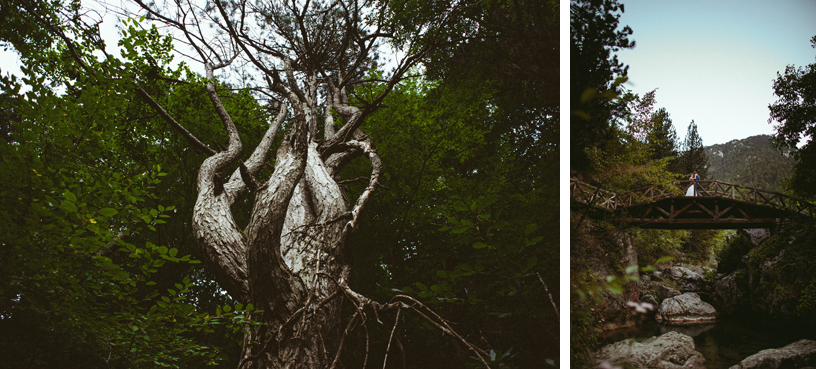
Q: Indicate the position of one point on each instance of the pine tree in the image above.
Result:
(694, 157)
(663, 138)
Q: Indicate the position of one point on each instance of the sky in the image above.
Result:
(714, 62)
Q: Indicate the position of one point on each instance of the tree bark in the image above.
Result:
(293, 260)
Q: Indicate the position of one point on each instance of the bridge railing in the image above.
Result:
(593, 196)
(611, 201)
(711, 189)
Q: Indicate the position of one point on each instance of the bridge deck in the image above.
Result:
(720, 205)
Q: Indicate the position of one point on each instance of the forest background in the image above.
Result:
(620, 141)
(98, 262)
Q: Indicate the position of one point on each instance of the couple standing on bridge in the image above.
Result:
(694, 189)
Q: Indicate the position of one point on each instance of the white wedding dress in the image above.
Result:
(690, 191)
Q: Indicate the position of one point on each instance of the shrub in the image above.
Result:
(730, 256)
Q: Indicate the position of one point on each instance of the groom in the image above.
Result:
(696, 184)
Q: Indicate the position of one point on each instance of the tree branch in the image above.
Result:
(173, 123)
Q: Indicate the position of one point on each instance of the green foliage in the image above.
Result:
(594, 37)
(730, 256)
(447, 138)
(653, 244)
(663, 138)
(693, 158)
(806, 305)
(767, 250)
(89, 176)
(752, 162)
(632, 161)
(794, 112)
(700, 243)
(87, 279)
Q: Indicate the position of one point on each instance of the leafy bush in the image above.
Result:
(653, 244)
(730, 256)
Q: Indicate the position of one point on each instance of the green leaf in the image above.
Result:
(535, 240)
(531, 262)
(588, 94)
(69, 196)
(479, 245)
(173, 252)
(68, 206)
(664, 259)
(108, 212)
(459, 229)
(442, 273)
(460, 206)
(421, 286)
(530, 229)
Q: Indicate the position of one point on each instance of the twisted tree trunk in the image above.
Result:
(292, 260)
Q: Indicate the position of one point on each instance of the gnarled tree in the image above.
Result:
(312, 59)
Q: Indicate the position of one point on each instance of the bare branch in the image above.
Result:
(248, 179)
(548, 293)
(396, 321)
(173, 123)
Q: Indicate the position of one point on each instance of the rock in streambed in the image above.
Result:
(800, 354)
(685, 309)
(669, 351)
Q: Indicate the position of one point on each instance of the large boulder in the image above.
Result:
(756, 235)
(686, 279)
(799, 354)
(665, 292)
(615, 313)
(685, 309)
(669, 351)
(726, 293)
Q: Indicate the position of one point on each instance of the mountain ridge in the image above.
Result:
(751, 162)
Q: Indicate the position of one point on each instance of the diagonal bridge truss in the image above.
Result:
(719, 205)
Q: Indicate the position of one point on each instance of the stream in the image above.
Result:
(724, 343)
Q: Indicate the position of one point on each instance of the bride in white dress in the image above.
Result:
(690, 190)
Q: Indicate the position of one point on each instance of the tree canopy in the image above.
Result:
(594, 40)
(694, 157)
(102, 176)
(795, 115)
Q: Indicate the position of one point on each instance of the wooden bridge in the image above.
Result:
(719, 205)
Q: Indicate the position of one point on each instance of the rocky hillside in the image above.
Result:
(751, 162)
